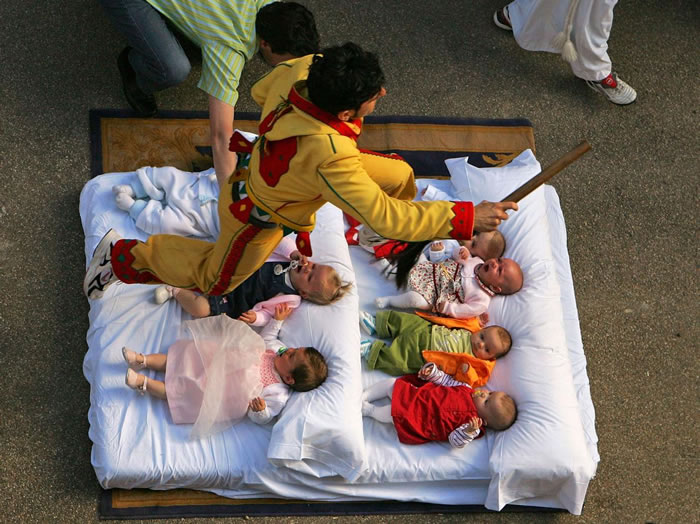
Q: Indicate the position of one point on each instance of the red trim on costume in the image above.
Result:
(272, 117)
(390, 247)
(324, 116)
(242, 209)
(239, 143)
(352, 233)
(275, 157)
(394, 156)
(232, 259)
(304, 243)
(122, 261)
(463, 221)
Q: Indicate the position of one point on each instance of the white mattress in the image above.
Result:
(321, 449)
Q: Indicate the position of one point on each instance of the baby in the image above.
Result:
(275, 282)
(168, 200)
(460, 287)
(224, 371)
(482, 245)
(411, 334)
(431, 406)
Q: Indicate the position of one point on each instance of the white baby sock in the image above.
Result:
(123, 188)
(124, 200)
(380, 413)
(410, 299)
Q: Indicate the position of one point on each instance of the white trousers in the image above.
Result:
(536, 23)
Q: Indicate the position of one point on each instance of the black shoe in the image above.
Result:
(144, 104)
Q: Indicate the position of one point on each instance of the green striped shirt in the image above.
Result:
(225, 31)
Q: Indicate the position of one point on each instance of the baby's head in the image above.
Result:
(318, 283)
(302, 369)
(491, 342)
(502, 275)
(495, 408)
(486, 245)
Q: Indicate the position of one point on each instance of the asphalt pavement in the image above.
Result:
(630, 206)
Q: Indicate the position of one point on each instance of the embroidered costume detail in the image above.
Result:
(395, 156)
(122, 261)
(240, 144)
(232, 259)
(463, 221)
(242, 209)
(269, 121)
(275, 157)
(304, 243)
(327, 118)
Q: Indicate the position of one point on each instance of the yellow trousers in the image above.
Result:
(242, 247)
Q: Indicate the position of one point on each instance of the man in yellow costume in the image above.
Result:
(306, 155)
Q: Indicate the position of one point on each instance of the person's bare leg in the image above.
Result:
(143, 383)
(196, 305)
(156, 388)
(157, 361)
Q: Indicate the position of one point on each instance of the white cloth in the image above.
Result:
(181, 203)
(536, 23)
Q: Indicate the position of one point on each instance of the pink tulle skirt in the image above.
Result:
(211, 378)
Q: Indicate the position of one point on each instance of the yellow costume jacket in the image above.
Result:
(306, 157)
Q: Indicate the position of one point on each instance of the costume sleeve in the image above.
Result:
(460, 437)
(346, 184)
(275, 397)
(473, 307)
(270, 333)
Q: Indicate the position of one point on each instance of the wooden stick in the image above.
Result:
(548, 172)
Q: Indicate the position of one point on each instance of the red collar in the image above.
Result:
(483, 286)
(324, 116)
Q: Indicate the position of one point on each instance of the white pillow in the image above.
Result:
(548, 433)
(492, 183)
(320, 432)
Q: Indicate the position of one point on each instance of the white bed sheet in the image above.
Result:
(136, 445)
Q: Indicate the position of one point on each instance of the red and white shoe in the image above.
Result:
(615, 89)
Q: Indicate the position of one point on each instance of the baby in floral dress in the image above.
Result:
(459, 287)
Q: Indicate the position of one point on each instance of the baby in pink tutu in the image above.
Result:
(224, 370)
